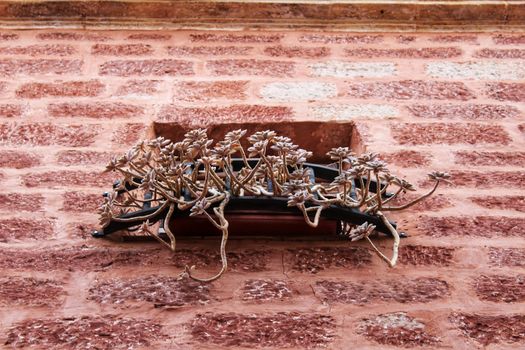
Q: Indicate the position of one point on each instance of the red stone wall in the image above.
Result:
(71, 99)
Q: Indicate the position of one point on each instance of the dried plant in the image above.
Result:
(195, 175)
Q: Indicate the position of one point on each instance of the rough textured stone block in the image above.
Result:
(342, 69)
(283, 329)
(491, 329)
(314, 260)
(83, 332)
(159, 290)
(298, 91)
(410, 89)
(418, 290)
(419, 255)
(499, 288)
(61, 89)
(256, 67)
(477, 70)
(261, 290)
(481, 226)
(397, 329)
(26, 229)
(95, 110)
(30, 291)
(449, 133)
(152, 67)
(464, 111)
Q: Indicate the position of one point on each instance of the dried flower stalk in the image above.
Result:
(196, 176)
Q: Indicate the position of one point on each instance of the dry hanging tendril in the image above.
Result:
(194, 175)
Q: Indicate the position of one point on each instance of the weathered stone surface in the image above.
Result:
(81, 230)
(68, 178)
(283, 329)
(122, 50)
(506, 91)
(481, 226)
(26, 229)
(9, 36)
(418, 290)
(314, 260)
(159, 290)
(426, 52)
(477, 70)
(448, 133)
(466, 255)
(81, 202)
(507, 257)
(138, 87)
(256, 67)
(501, 53)
(509, 39)
(129, 134)
(85, 332)
(74, 157)
(236, 38)
(149, 36)
(482, 158)
(260, 290)
(419, 255)
(10, 67)
(45, 134)
(203, 116)
(29, 291)
(197, 91)
(74, 258)
(162, 67)
(407, 159)
(18, 159)
(95, 110)
(491, 329)
(82, 258)
(349, 111)
(9, 110)
(433, 203)
(341, 38)
(501, 202)
(37, 50)
(248, 260)
(21, 202)
(396, 329)
(298, 91)
(209, 50)
(73, 36)
(464, 111)
(499, 288)
(342, 69)
(410, 89)
(61, 89)
(454, 38)
(406, 39)
(297, 51)
(486, 179)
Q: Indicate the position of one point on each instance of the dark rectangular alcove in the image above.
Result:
(318, 137)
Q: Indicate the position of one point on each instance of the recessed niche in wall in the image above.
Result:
(318, 137)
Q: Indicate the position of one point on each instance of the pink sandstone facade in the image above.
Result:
(451, 101)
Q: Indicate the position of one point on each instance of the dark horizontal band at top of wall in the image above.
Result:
(333, 14)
